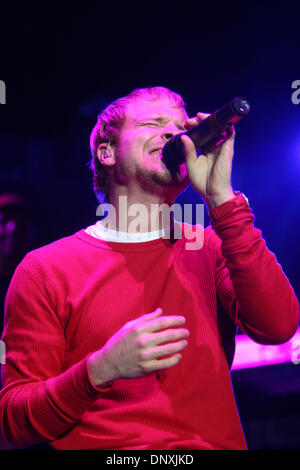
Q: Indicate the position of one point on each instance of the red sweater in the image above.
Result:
(68, 298)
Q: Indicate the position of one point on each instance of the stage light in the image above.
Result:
(249, 354)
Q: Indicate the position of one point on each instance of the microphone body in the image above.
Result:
(206, 131)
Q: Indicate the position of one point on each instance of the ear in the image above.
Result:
(105, 154)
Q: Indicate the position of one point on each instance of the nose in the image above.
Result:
(168, 133)
(167, 136)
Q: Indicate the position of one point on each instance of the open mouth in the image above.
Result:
(156, 153)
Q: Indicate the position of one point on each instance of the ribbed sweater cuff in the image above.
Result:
(73, 390)
(227, 209)
(233, 223)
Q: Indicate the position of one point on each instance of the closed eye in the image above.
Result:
(159, 124)
(150, 124)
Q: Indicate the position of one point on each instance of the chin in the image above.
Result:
(163, 182)
(178, 177)
(171, 189)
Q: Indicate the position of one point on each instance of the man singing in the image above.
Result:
(118, 337)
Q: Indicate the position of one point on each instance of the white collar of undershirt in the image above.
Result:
(98, 230)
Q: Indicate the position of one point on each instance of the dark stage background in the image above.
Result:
(62, 64)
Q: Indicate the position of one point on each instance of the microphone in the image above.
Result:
(206, 132)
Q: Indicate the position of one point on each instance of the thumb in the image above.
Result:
(189, 150)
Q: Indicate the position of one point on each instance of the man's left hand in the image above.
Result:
(210, 173)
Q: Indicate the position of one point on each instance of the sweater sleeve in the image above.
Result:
(39, 401)
(251, 285)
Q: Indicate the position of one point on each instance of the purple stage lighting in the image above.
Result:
(250, 354)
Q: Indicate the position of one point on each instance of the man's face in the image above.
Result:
(146, 129)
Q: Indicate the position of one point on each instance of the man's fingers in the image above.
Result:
(193, 121)
(203, 115)
(161, 364)
(149, 316)
(189, 150)
(165, 350)
(162, 323)
(165, 336)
